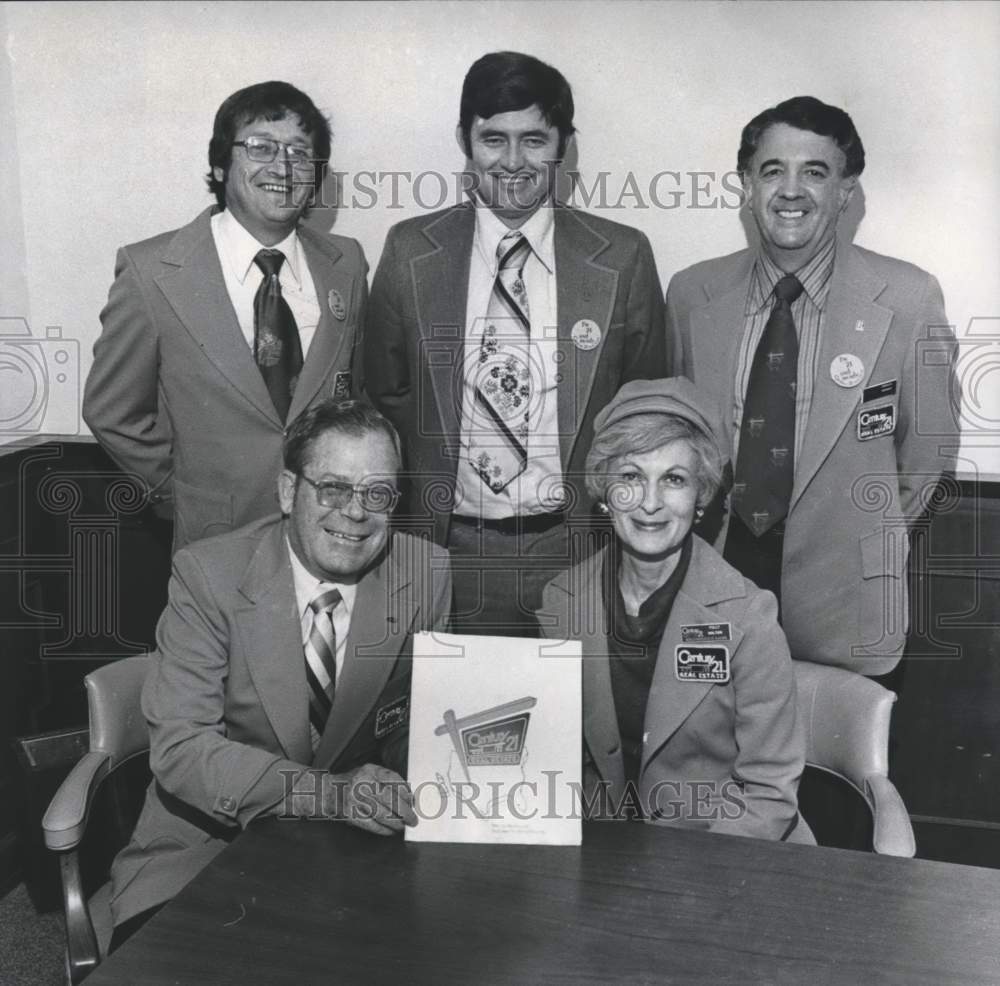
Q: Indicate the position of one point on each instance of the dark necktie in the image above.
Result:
(321, 660)
(276, 346)
(765, 463)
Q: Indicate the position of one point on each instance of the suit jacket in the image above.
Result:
(843, 590)
(174, 395)
(416, 338)
(227, 700)
(726, 757)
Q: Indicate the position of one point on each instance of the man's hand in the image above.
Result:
(373, 798)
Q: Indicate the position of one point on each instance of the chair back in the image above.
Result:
(846, 718)
(117, 725)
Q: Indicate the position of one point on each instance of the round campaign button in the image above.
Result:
(337, 307)
(586, 334)
(847, 370)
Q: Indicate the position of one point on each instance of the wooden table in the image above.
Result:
(319, 902)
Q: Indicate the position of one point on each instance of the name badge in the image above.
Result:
(342, 384)
(706, 631)
(874, 422)
(701, 663)
(390, 717)
(878, 391)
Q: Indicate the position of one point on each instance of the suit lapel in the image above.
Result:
(708, 580)
(195, 288)
(578, 611)
(271, 639)
(851, 301)
(716, 331)
(331, 333)
(380, 625)
(585, 290)
(440, 281)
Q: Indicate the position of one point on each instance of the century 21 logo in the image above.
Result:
(491, 738)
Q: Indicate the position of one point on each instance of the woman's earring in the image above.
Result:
(698, 514)
(603, 508)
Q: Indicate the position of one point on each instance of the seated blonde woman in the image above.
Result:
(688, 688)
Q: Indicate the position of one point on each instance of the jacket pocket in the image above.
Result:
(882, 603)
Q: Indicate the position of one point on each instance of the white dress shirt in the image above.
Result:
(237, 248)
(537, 489)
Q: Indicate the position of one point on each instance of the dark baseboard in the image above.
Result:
(956, 840)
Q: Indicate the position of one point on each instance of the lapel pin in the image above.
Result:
(337, 307)
(586, 334)
(847, 370)
(859, 325)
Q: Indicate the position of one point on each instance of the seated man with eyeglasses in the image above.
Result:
(283, 676)
(219, 334)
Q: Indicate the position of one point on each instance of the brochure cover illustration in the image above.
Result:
(495, 740)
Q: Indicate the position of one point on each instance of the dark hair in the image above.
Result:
(355, 418)
(506, 81)
(805, 113)
(264, 101)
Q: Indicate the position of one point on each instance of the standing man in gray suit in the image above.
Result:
(831, 367)
(497, 330)
(219, 334)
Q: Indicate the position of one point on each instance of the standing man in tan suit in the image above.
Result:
(220, 334)
(831, 368)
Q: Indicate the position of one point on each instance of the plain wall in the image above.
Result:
(107, 110)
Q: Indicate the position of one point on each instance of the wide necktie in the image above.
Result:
(321, 660)
(277, 349)
(498, 441)
(765, 463)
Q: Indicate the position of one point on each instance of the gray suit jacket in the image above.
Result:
(227, 699)
(415, 339)
(174, 395)
(844, 594)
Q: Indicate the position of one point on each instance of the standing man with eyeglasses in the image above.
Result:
(218, 335)
(282, 681)
(497, 330)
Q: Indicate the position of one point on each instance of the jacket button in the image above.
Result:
(228, 804)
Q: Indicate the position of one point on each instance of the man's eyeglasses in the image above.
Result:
(378, 498)
(264, 150)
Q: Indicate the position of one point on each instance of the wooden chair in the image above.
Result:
(846, 720)
(118, 734)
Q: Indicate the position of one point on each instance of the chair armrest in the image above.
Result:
(66, 817)
(893, 834)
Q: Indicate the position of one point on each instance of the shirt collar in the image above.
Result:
(307, 585)
(538, 231)
(814, 278)
(240, 247)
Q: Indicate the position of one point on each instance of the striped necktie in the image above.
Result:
(321, 660)
(498, 442)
